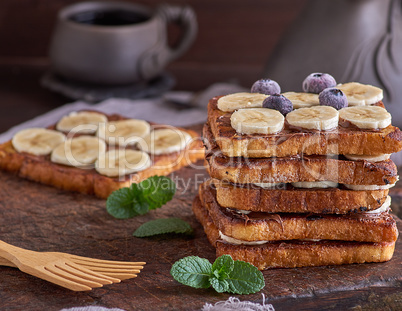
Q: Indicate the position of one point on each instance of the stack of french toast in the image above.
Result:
(300, 178)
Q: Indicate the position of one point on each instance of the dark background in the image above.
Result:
(234, 42)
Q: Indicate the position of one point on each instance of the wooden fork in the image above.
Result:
(70, 271)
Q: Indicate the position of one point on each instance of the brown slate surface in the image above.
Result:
(42, 218)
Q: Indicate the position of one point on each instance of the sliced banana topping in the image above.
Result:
(368, 187)
(302, 100)
(369, 158)
(361, 94)
(78, 151)
(123, 132)
(383, 208)
(120, 162)
(232, 102)
(366, 117)
(320, 118)
(239, 242)
(37, 141)
(315, 184)
(163, 141)
(257, 121)
(84, 122)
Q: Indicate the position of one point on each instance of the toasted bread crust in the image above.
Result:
(308, 254)
(292, 254)
(88, 181)
(291, 142)
(293, 200)
(295, 168)
(258, 226)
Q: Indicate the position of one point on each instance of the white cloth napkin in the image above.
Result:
(154, 110)
(91, 308)
(175, 108)
(232, 304)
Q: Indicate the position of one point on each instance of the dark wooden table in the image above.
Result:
(46, 219)
(42, 218)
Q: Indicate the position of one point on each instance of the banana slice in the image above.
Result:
(383, 208)
(315, 184)
(37, 141)
(163, 141)
(366, 117)
(232, 102)
(257, 121)
(361, 94)
(78, 151)
(84, 122)
(302, 100)
(368, 187)
(120, 162)
(374, 158)
(234, 241)
(314, 118)
(123, 132)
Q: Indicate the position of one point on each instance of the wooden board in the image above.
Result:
(42, 218)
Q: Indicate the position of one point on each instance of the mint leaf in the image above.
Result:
(163, 226)
(245, 278)
(220, 286)
(139, 206)
(225, 275)
(222, 267)
(139, 199)
(120, 204)
(157, 190)
(192, 271)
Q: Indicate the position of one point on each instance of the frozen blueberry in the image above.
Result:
(333, 97)
(317, 82)
(278, 102)
(266, 86)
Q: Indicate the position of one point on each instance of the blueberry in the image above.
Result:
(333, 97)
(278, 102)
(317, 82)
(266, 86)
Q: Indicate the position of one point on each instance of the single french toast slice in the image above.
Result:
(297, 168)
(294, 253)
(88, 180)
(287, 199)
(290, 141)
(260, 226)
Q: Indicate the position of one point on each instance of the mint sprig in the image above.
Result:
(224, 275)
(163, 226)
(139, 199)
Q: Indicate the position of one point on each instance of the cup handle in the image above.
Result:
(161, 54)
(183, 16)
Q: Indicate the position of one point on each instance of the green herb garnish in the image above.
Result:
(139, 199)
(163, 226)
(224, 275)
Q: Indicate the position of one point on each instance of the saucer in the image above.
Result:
(96, 93)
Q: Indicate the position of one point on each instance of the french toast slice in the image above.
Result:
(260, 226)
(295, 168)
(89, 181)
(293, 253)
(288, 142)
(288, 199)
